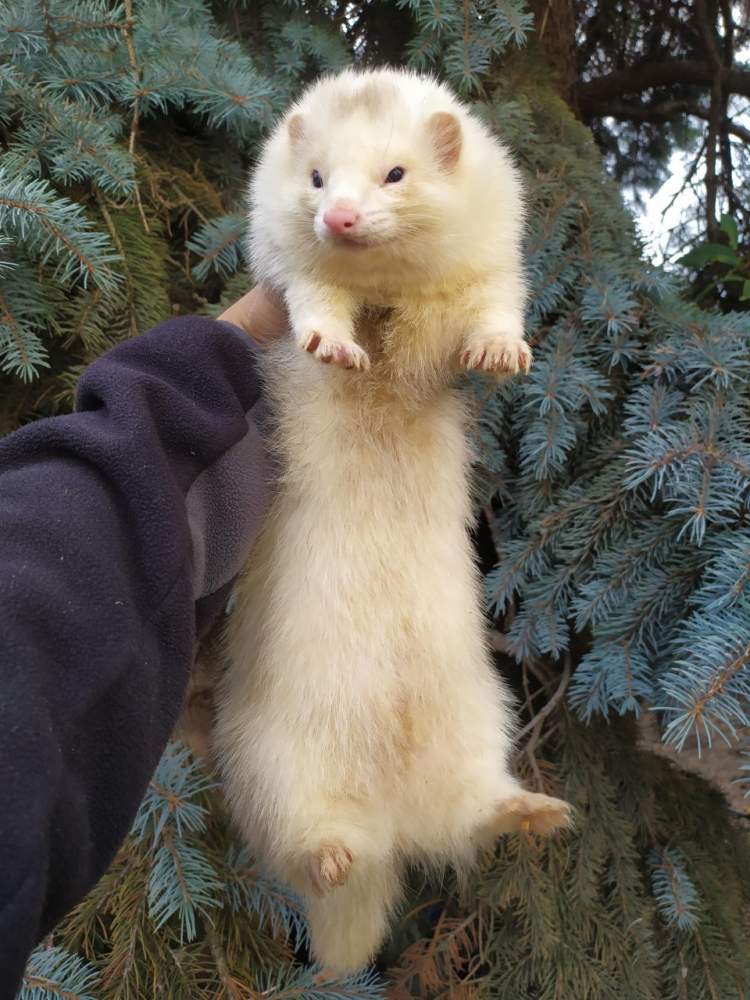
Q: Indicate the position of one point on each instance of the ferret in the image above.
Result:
(361, 724)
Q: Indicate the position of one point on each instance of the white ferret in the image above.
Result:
(361, 723)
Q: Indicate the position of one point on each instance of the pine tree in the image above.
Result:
(613, 486)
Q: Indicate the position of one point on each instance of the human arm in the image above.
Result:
(121, 528)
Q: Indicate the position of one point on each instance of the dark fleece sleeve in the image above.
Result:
(121, 526)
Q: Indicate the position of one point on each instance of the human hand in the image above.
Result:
(261, 313)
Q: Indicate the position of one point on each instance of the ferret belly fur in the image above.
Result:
(361, 723)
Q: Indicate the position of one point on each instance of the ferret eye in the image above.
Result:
(317, 179)
(395, 175)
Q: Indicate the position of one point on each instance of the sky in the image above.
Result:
(662, 211)
(656, 218)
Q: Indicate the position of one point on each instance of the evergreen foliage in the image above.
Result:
(613, 482)
(183, 912)
(620, 516)
(675, 79)
(52, 973)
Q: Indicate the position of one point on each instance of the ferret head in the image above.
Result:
(364, 172)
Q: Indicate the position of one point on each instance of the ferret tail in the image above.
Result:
(348, 924)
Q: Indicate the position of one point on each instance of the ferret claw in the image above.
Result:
(530, 812)
(329, 867)
(499, 356)
(345, 354)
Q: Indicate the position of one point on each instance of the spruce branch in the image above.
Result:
(51, 227)
(249, 890)
(295, 983)
(535, 725)
(673, 890)
(183, 883)
(232, 988)
(127, 30)
(174, 796)
(219, 244)
(447, 960)
(638, 79)
(53, 973)
(708, 688)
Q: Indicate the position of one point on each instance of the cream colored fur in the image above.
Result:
(361, 722)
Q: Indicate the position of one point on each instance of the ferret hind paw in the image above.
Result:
(344, 353)
(329, 866)
(530, 812)
(498, 355)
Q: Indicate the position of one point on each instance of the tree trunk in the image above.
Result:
(555, 25)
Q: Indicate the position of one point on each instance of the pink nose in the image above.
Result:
(341, 220)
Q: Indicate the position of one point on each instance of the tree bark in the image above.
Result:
(593, 94)
(555, 25)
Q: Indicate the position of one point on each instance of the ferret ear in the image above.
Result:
(445, 132)
(296, 128)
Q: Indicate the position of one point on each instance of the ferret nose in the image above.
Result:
(341, 219)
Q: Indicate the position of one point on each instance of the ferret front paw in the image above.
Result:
(531, 812)
(344, 353)
(329, 866)
(499, 355)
